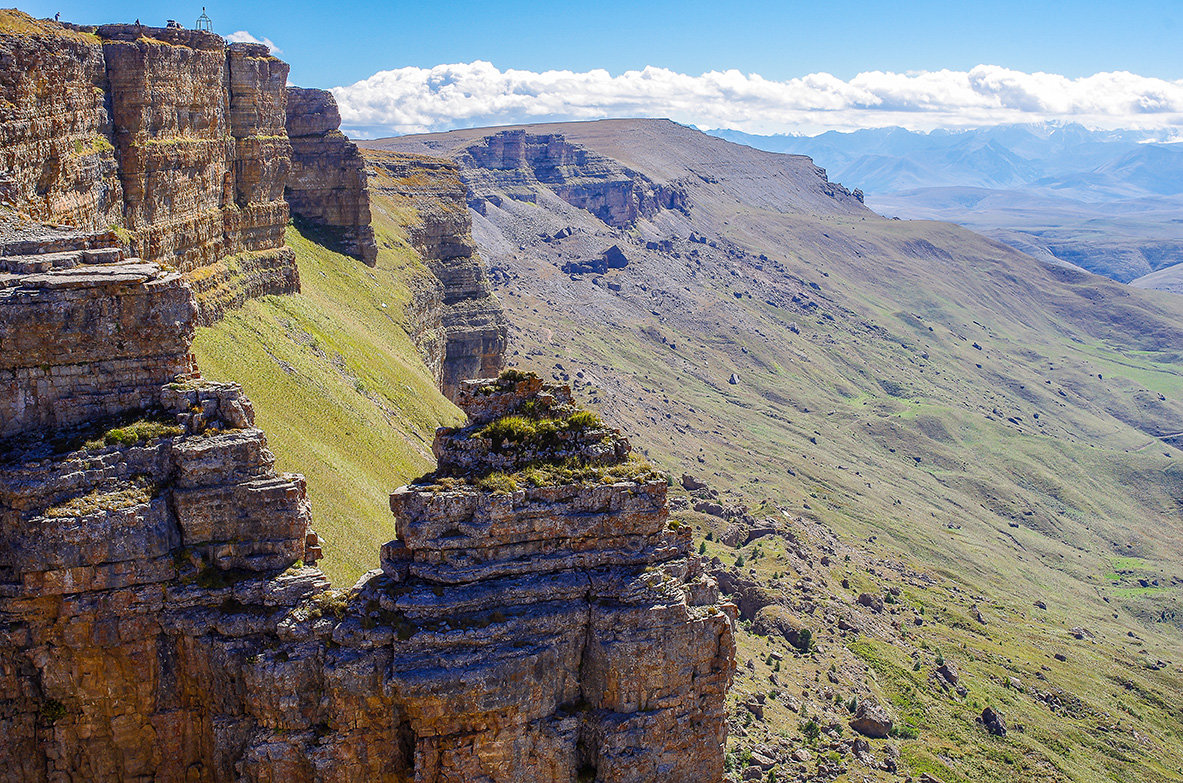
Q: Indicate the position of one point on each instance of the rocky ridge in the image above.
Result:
(177, 140)
(515, 162)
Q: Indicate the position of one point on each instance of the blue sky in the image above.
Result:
(333, 44)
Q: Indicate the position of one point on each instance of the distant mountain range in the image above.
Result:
(1110, 202)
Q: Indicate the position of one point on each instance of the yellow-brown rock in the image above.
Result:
(172, 135)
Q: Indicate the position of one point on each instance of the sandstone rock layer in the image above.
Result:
(173, 137)
(159, 619)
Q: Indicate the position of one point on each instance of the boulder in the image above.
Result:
(871, 720)
(993, 722)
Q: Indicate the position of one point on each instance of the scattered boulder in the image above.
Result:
(775, 620)
(872, 602)
(993, 722)
(802, 755)
(733, 380)
(690, 483)
(871, 720)
(614, 258)
(948, 672)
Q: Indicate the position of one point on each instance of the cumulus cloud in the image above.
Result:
(242, 36)
(413, 100)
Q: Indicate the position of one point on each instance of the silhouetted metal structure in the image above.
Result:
(204, 22)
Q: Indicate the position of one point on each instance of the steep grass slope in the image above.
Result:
(339, 388)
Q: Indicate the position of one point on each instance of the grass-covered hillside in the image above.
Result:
(339, 388)
(979, 431)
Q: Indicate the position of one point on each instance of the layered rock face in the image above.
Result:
(513, 161)
(602, 651)
(457, 322)
(327, 183)
(171, 134)
(84, 332)
(56, 154)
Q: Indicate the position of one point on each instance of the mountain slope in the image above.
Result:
(995, 424)
(1105, 201)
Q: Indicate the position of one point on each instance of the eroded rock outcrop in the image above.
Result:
(515, 161)
(456, 321)
(84, 332)
(538, 618)
(327, 183)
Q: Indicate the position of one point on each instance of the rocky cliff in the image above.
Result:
(536, 618)
(457, 322)
(327, 184)
(178, 140)
(85, 333)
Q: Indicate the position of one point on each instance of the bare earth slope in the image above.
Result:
(1001, 426)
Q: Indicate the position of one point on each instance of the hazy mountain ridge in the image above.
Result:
(1106, 201)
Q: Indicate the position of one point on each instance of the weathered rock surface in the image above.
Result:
(512, 161)
(172, 135)
(57, 160)
(327, 183)
(871, 720)
(457, 322)
(86, 333)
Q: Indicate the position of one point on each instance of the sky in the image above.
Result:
(761, 67)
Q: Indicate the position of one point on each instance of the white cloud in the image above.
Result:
(411, 100)
(242, 36)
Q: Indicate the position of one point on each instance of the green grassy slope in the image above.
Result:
(339, 389)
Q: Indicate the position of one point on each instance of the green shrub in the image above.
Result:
(811, 730)
(498, 483)
(513, 375)
(513, 428)
(134, 433)
(584, 420)
(53, 710)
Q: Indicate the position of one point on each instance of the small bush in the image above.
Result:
(53, 710)
(584, 420)
(514, 375)
(811, 730)
(513, 428)
(134, 433)
(498, 483)
(904, 732)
